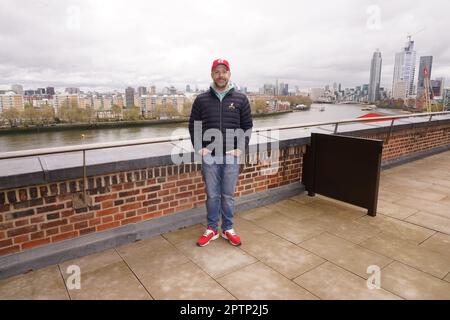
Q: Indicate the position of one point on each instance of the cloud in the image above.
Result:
(114, 44)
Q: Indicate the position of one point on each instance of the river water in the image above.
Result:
(25, 141)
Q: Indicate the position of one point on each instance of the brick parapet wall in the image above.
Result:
(42, 214)
(412, 140)
(39, 215)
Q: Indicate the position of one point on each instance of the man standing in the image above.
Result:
(225, 115)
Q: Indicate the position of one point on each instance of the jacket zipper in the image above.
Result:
(220, 124)
(220, 115)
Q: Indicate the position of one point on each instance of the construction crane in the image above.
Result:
(426, 82)
(426, 78)
(410, 35)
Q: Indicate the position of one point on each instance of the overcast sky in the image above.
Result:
(111, 44)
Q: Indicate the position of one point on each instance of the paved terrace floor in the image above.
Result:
(300, 248)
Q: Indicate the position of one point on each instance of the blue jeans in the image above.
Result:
(220, 174)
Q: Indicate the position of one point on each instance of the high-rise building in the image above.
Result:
(40, 91)
(383, 94)
(283, 89)
(404, 69)
(50, 91)
(17, 88)
(152, 90)
(188, 88)
(142, 91)
(268, 89)
(129, 97)
(399, 90)
(375, 77)
(446, 98)
(443, 85)
(426, 62)
(365, 90)
(437, 87)
(172, 90)
(72, 90)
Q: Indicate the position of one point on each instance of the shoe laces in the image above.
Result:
(231, 231)
(207, 232)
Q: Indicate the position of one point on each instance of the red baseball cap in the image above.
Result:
(220, 61)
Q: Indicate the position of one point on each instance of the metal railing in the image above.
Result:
(128, 143)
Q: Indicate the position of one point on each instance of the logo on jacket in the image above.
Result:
(231, 106)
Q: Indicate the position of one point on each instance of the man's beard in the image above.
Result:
(221, 87)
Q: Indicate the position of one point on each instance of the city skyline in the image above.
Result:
(305, 44)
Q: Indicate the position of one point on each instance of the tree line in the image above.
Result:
(70, 112)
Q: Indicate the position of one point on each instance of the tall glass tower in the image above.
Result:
(375, 77)
(426, 62)
(404, 69)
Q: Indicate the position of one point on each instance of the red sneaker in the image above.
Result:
(232, 237)
(210, 234)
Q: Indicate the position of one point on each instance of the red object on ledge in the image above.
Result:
(372, 115)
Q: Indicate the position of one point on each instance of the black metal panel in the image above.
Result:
(344, 168)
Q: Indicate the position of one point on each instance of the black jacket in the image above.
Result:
(233, 112)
